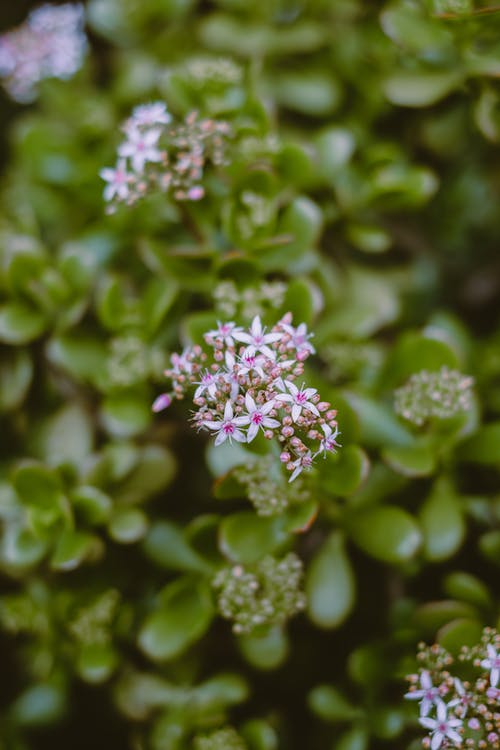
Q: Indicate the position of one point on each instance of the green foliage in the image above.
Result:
(360, 193)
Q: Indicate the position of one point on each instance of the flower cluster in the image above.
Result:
(247, 388)
(249, 302)
(266, 489)
(156, 155)
(92, 624)
(438, 395)
(51, 43)
(265, 594)
(459, 712)
(218, 71)
(222, 739)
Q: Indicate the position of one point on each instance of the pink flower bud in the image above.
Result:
(287, 432)
(331, 414)
(285, 457)
(323, 406)
(162, 402)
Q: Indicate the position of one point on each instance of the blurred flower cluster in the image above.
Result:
(51, 43)
(155, 155)
(429, 395)
(459, 712)
(247, 387)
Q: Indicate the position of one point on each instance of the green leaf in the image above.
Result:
(442, 522)
(329, 704)
(83, 357)
(378, 423)
(420, 89)
(91, 504)
(127, 525)
(22, 548)
(16, 373)
(96, 662)
(265, 651)
(417, 460)
(72, 549)
(459, 633)
(334, 146)
(483, 447)
(344, 473)
(153, 471)
(311, 93)
(166, 546)
(467, 588)
(388, 533)
(20, 324)
(41, 704)
(431, 616)
(184, 614)
(259, 735)
(39, 487)
(67, 436)
(330, 584)
(246, 538)
(126, 414)
(369, 238)
(415, 352)
(354, 739)
(387, 723)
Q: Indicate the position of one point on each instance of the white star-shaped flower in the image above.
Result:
(299, 338)
(227, 428)
(328, 444)
(225, 332)
(257, 340)
(428, 695)
(208, 382)
(151, 114)
(442, 728)
(492, 663)
(257, 417)
(299, 399)
(118, 181)
(141, 147)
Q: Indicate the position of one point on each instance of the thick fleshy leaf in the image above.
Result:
(467, 588)
(165, 545)
(330, 704)
(20, 324)
(459, 633)
(128, 525)
(96, 662)
(417, 460)
(442, 522)
(16, 372)
(344, 473)
(259, 735)
(264, 651)
(389, 533)
(67, 436)
(421, 88)
(330, 584)
(246, 537)
(72, 549)
(183, 615)
(483, 447)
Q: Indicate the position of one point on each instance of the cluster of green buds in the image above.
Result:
(267, 593)
(459, 699)
(222, 739)
(92, 624)
(232, 302)
(214, 71)
(434, 395)
(266, 489)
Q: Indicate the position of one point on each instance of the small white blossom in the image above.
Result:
(257, 339)
(299, 338)
(141, 147)
(257, 417)
(228, 427)
(225, 332)
(442, 728)
(147, 115)
(328, 444)
(298, 466)
(428, 696)
(207, 383)
(118, 181)
(299, 399)
(492, 663)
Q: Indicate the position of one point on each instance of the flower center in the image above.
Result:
(301, 398)
(257, 417)
(228, 428)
